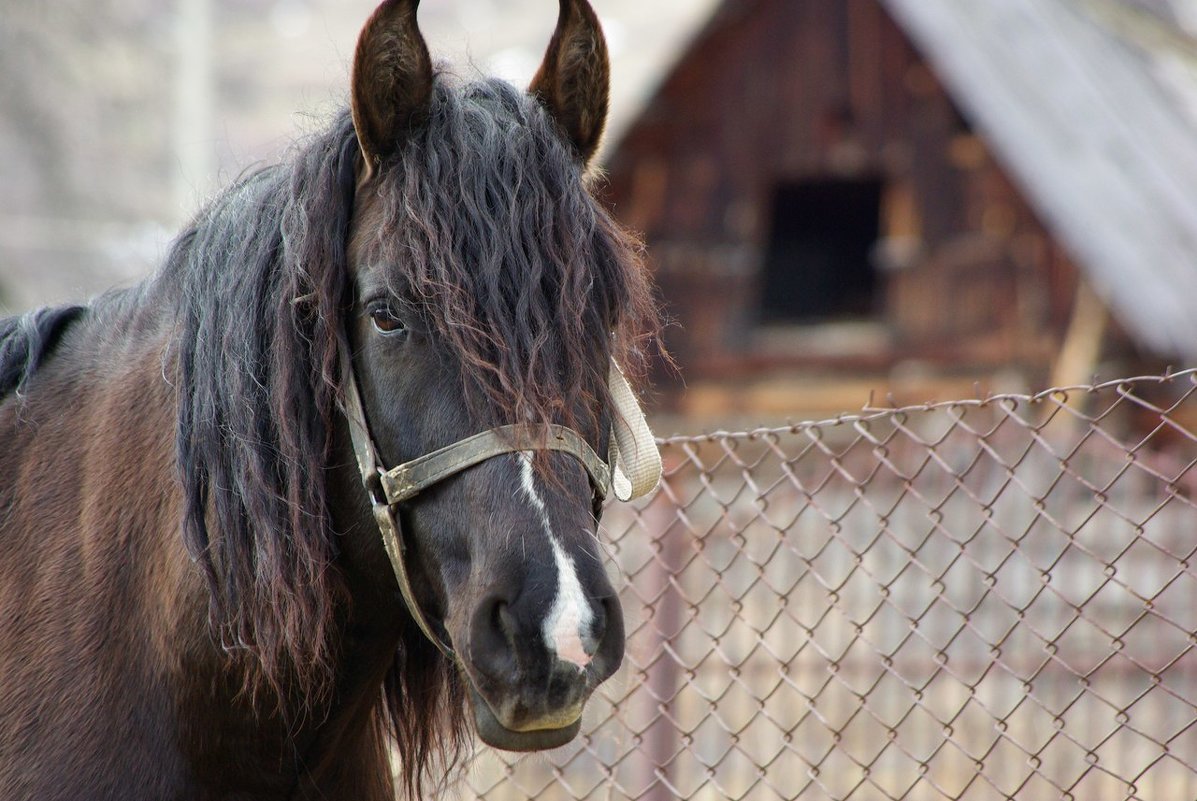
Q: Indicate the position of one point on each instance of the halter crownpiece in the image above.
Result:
(632, 469)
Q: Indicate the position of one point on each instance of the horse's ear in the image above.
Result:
(392, 80)
(574, 81)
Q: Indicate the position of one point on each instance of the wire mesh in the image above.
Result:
(987, 599)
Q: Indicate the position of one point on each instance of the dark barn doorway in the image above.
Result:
(817, 261)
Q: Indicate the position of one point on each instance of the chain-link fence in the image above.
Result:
(991, 599)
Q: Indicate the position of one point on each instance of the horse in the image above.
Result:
(414, 326)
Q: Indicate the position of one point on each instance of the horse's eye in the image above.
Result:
(385, 321)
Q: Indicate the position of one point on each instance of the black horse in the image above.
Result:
(195, 602)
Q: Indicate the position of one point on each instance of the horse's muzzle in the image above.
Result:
(524, 695)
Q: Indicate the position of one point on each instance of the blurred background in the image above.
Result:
(845, 202)
(119, 117)
(917, 199)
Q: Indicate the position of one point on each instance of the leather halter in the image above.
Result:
(388, 488)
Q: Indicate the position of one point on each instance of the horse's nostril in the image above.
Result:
(492, 637)
(606, 646)
(598, 626)
(504, 622)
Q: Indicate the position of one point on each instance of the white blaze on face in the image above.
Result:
(570, 614)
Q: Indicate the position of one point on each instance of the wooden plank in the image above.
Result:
(1077, 362)
(802, 397)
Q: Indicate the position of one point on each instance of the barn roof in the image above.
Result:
(1091, 105)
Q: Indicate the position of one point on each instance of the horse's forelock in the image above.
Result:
(487, 219)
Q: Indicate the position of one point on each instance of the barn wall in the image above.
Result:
(780, 91)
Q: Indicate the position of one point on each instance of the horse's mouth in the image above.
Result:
(496, 735)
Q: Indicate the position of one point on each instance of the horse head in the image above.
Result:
(492, 298)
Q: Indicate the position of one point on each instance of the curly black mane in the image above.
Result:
(257, 387)
(518, 269)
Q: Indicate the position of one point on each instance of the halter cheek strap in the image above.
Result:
(388, 488)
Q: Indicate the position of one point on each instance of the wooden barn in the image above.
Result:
(926, 198)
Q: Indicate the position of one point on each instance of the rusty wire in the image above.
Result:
(982, 599)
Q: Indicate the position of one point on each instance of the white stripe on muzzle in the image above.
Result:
(570, 617)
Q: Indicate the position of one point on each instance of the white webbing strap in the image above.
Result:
(634, 458)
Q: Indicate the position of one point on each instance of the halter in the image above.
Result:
(387, 488)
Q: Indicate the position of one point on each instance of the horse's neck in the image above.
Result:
(95, 583)
(336, 747)
(346, 755)
(94, 534)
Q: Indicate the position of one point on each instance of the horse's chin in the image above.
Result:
(496, 735)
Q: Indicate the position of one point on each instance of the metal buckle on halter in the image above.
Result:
(382, 509)
(382, 513)
(378, 501)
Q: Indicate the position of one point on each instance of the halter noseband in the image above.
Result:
(389, 487)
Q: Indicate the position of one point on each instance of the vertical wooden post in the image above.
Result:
(1081, 349)
(661, 737)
